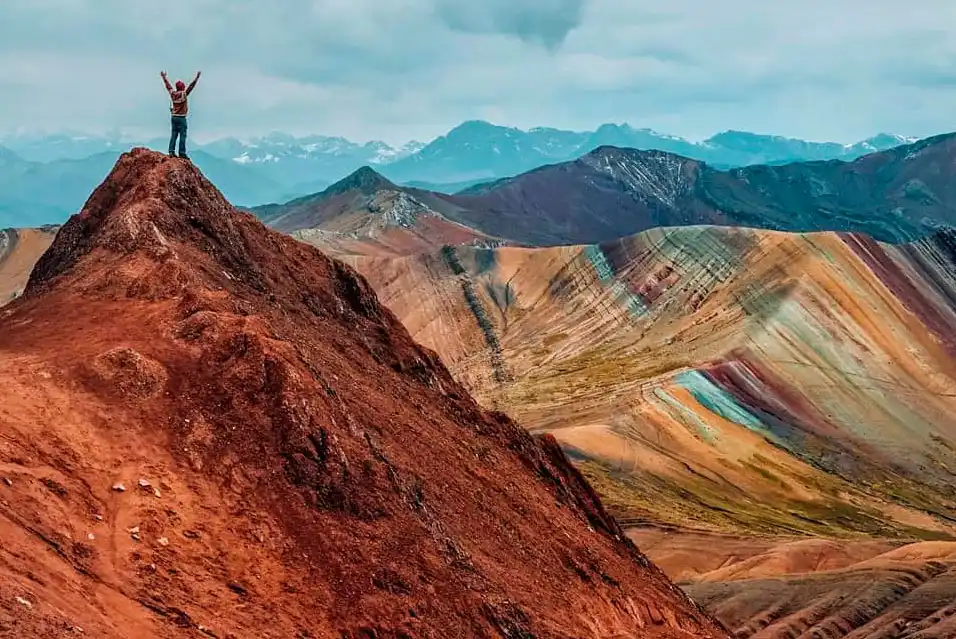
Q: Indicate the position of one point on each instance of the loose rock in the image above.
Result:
(145, 485)
(23, 602)
(119, 487)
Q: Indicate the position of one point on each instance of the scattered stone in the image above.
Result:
(91, 536)
(206, 631)
(237, 588)
(23, 602)
(119, 487)
(134, 533)
(190, 534)
(77, 630)
(145, 485)
(98, 517)
(163, 541)
(6, 480)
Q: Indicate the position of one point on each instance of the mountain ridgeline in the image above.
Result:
(896, 195)
(45, 178)
(478, 150)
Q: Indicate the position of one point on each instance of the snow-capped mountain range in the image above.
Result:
(277, 147)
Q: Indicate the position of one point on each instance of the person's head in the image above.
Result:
(180, 85)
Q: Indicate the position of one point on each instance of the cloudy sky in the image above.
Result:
(401, 69)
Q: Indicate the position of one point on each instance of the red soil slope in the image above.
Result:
(294, 465)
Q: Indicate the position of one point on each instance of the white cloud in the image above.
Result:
(413, 68)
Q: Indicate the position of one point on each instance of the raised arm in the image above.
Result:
(192, 85)
(169, 87)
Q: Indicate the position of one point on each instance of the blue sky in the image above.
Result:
(400, 69)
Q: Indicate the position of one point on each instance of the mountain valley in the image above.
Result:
(444, 319)
(782, 400)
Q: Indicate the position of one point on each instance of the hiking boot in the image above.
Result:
(184, 156)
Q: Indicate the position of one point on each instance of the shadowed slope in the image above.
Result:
(212, 428)
(895, 195)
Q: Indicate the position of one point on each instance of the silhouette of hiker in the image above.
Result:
(179, 109)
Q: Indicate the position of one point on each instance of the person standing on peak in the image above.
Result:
(179, 109)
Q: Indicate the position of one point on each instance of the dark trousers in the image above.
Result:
(179, 131)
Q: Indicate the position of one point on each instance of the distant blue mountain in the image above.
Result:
(476, 151)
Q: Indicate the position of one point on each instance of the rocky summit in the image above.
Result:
(211, 429)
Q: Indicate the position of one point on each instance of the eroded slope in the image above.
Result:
(773, 588)
(722, 379)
